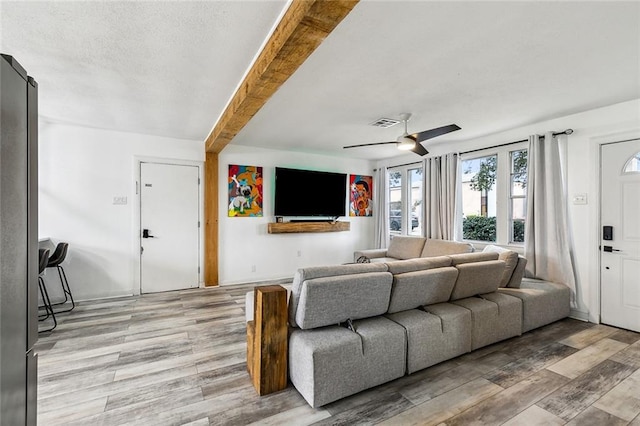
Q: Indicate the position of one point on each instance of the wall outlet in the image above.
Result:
(579, 198)
(299, 253)
(253, 268)
(121, 200)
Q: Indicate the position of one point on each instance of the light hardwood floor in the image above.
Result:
(179, 358)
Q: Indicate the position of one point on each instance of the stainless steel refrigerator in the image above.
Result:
(18, 243)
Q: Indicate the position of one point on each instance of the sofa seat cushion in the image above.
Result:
(433, 247)
(477, 278)
(510, 258)
(369, 254)
(419, 264)
(413, 289)
(332, 300)
(329, 363)
(459, 259)
(405, 247)
(440, 333)
(312, 272)
(494, 317)
(385, 260)
(543, 302)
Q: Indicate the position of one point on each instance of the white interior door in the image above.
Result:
(169, 227)
(620, 251)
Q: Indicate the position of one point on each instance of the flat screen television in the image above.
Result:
(310, 193)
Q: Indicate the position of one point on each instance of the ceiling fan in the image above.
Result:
(412, 142)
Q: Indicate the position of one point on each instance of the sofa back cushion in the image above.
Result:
(418, 288)
(434, 247)
(477, 278)
(458, 259)
(405, 247)
(419, 264)
(510, 258)
(328, 295)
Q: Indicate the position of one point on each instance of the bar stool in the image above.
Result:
(55, 261)
(42, 264)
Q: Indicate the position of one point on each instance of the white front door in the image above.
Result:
(620, 234)
(169, 227)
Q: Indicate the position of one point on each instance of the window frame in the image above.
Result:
(405, 210)
(513, 197)
(477, 156)
(627, 165)
(503, 193)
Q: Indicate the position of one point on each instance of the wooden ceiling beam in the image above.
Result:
(302, 29)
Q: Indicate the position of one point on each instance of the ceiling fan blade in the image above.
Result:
(430, 134)
(367, 144)
(419, 149)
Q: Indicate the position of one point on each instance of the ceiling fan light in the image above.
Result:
(405, 143)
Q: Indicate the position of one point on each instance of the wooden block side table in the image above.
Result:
(267, 341)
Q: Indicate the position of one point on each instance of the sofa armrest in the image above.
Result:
(371, 254)
(518, 273)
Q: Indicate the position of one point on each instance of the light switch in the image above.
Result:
(119, 200)
(579, 198)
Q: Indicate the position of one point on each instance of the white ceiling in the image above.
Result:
(169, 68)
(163, 68)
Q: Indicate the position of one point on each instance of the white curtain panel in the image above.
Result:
(458, 234)
(547, 239)
(440, 196)
(380, 210)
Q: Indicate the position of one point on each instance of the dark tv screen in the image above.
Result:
(310, 193)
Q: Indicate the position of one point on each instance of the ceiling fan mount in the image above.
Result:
(412, 142)
(404, 141)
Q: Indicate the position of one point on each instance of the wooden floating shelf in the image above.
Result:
(297, 227)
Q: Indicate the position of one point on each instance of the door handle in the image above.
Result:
(145, 234)
(609, 249)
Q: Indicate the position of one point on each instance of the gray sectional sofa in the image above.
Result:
(356, 326)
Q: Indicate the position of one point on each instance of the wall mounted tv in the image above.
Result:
(310, 193)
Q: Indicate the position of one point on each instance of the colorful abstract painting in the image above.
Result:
(360, 197)
(245, 191)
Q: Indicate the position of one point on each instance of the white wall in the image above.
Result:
(81, 170)
(244, 241)
(591, 129)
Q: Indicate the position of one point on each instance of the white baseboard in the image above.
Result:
(273, 281)
(579, 315)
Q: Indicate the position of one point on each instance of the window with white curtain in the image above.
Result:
(405, 200)
(493, 189)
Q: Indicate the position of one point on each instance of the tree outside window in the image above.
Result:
(479, 199)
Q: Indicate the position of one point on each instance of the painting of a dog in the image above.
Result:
(245, 191)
